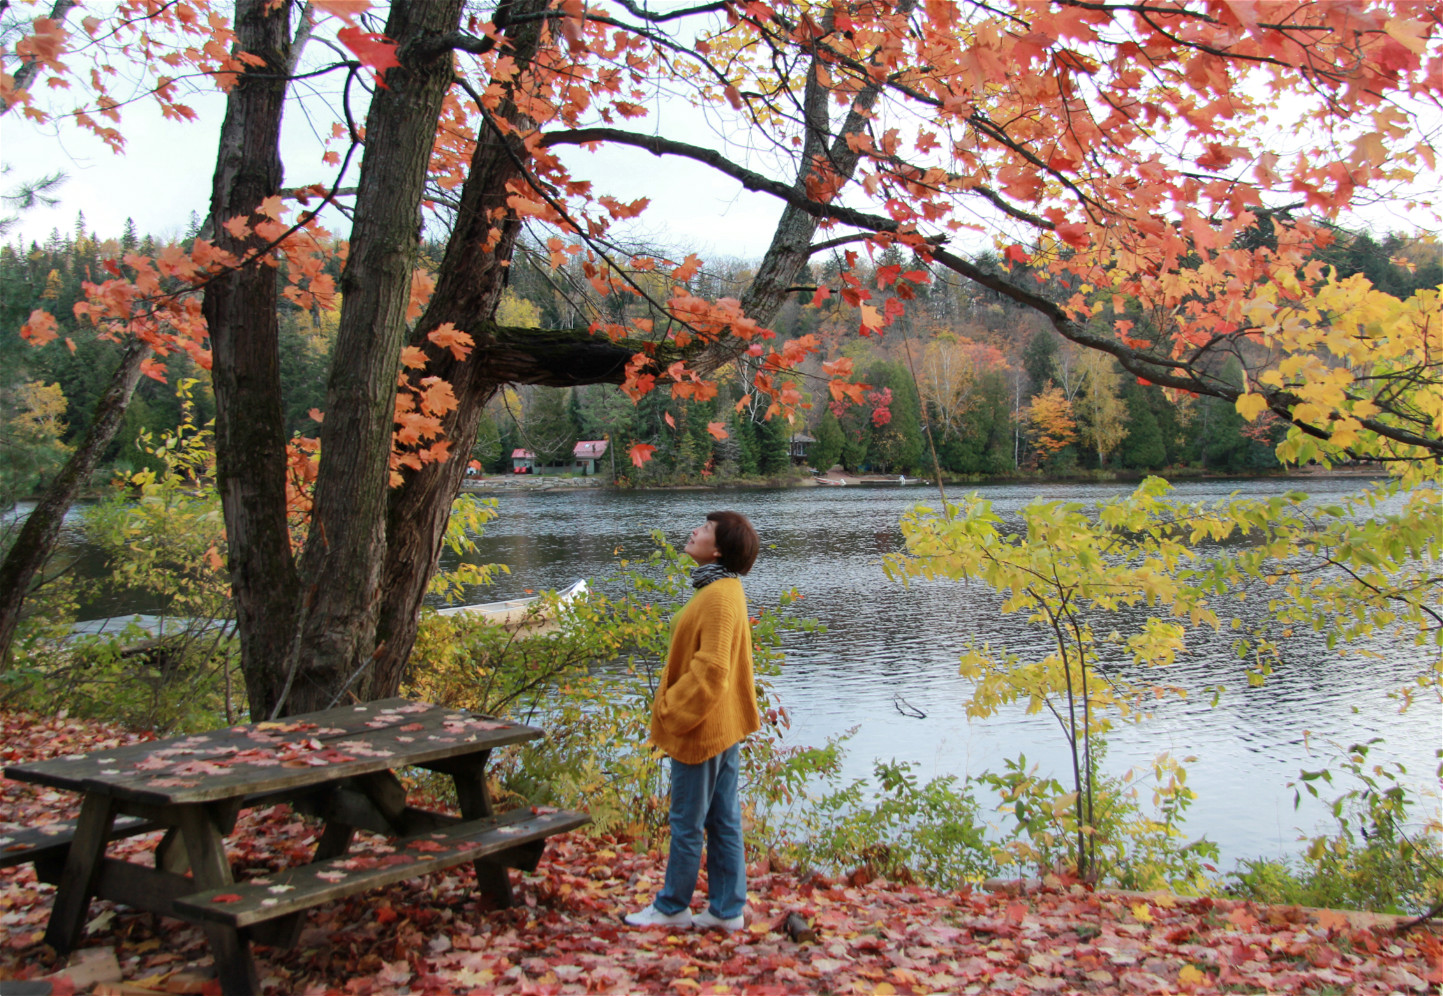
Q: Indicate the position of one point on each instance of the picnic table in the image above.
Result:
(338, 765)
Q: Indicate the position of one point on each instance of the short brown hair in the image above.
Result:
(736, 541)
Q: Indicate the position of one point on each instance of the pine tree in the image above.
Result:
(1143, 446)
(1039, 359)
(774, 454)
(827, 450)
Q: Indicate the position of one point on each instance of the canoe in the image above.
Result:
(515, 611)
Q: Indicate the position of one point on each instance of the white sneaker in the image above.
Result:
(653, 917)
(706, 919)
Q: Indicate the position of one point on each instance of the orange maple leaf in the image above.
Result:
(448, 336)
(687, 269)
(40, 329)
(641, 452)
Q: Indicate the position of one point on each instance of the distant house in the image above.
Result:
(800, 443)
(523, 462)
(586, 453)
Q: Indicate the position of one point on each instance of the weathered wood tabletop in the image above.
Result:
(337, 765)
(262, 758)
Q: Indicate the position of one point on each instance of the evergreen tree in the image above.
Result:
(827, 450)
(740, 428)
(896, 444)
(1039, 359)
(856, 437)
(1143, 447)
(774, 455)
(548, 428)
(487, 450)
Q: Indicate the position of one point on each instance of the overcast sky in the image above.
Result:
(165, 174)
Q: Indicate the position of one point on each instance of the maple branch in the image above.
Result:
(834, 243)
(304, 28)
(646, 15)
(541, 189)
(29, 67)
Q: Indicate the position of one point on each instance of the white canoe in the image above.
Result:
(513, 611)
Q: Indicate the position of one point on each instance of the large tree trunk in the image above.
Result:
(240, 309)
(37, 537)
(469, 286)
(341, 564)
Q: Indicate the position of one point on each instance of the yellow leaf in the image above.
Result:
(1190, 976)
(884, 989)
(1250, 406)
(1142, 913)
(1412, 35)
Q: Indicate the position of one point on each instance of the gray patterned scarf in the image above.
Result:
(705, 574)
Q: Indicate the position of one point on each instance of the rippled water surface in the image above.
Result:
(883, 639)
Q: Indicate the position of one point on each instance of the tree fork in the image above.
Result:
(342, 562)
(469, 284)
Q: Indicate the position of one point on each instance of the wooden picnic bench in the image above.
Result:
(337, 765)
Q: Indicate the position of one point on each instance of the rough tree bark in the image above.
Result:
(240, 311)
(42, 527)
(341, 565)
(468, 287)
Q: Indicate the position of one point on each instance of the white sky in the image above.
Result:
(165, 174)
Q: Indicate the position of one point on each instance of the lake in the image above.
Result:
(884, 639)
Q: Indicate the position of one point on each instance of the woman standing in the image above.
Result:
(706, 704)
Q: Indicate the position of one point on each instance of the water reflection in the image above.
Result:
(883, 638)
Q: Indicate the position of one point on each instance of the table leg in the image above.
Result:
(77, 881)
(170, 853)
(335, 841)
(492, 878)
(200, 828)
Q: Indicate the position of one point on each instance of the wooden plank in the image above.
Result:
(310, 885)
(170, 853)
(121, 769)
(141, 887)
(77, 881)
(245, 779)
(20, 846)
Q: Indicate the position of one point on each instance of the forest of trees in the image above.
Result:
(1000, 391)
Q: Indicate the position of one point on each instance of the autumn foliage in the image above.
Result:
(1156, 180)
(863, 934)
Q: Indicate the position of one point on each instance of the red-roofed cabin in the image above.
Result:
(586, 453)
(523, 462)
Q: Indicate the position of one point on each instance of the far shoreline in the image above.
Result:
(547, 482)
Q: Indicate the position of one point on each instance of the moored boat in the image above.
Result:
(516, 611)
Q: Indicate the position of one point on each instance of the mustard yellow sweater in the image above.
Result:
(707, 699)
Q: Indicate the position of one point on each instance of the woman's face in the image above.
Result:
(701, 545)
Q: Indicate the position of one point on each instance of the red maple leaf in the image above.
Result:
(376, 51)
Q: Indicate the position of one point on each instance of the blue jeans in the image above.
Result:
(704, 799)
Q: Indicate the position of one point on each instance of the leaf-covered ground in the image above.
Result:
(432, 936)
